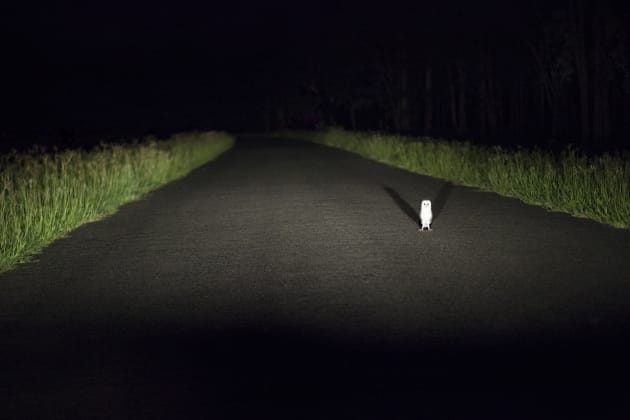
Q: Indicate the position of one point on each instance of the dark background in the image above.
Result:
(532, 73)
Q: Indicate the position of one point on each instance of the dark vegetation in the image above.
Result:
(544, 77)
(530, 73)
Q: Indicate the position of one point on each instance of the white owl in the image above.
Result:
(426, 215)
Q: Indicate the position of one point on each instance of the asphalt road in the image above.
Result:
(288, 280)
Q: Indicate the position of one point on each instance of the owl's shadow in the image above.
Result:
(437, 203)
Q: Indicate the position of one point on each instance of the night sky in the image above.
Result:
(142, 66)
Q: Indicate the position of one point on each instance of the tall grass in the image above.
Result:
(597, 188)
(45, 195)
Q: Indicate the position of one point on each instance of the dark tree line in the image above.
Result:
(563, 79)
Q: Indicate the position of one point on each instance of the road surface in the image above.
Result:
(288, 280)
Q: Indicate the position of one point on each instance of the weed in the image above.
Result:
(44, 196)
(597, 188)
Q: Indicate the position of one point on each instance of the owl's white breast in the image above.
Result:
(426, 213)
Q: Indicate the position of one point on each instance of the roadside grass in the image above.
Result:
(597, 188)
(43, 196)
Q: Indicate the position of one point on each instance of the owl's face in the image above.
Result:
(426, 204)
